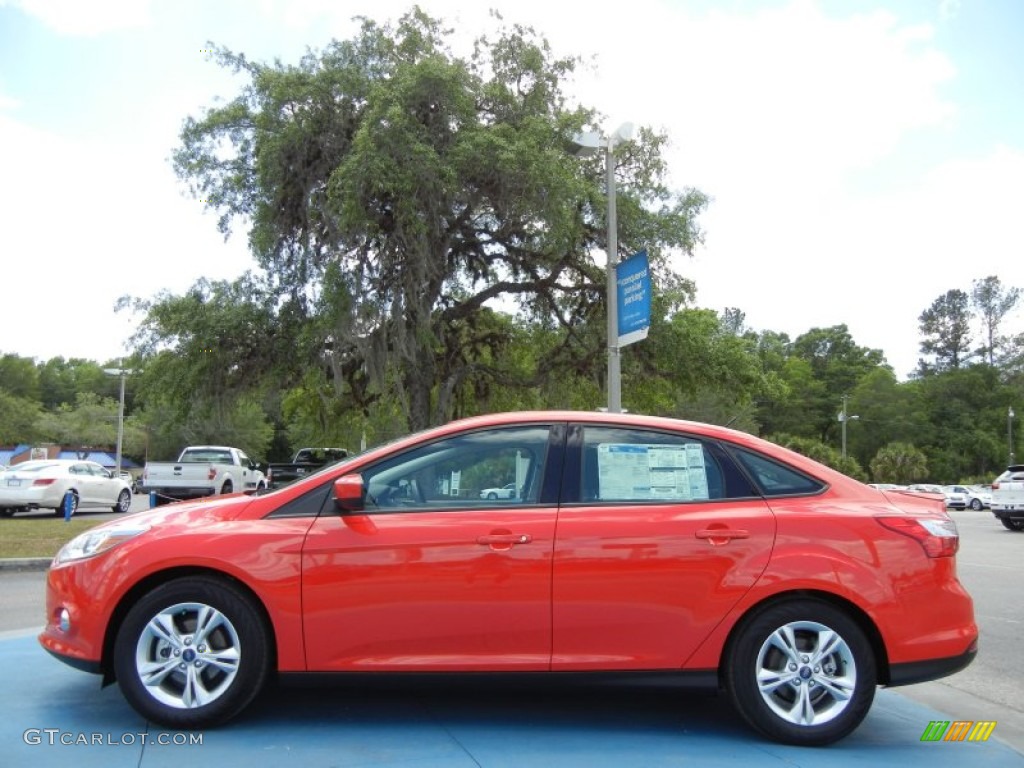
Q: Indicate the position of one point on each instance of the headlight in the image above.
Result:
(93, 543)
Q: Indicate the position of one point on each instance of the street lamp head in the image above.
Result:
(623, 133)
(585, 144)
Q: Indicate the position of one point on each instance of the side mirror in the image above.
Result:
(348, 493)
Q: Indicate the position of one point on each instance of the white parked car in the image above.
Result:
(43, 484)
(505, 492)
(956, 496)
(978, 496)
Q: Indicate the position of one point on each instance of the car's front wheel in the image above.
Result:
(975, 504)
(124, 501)
(801, 672)
(192, 653)
(1012, 525)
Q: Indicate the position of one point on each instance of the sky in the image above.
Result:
(863, 157)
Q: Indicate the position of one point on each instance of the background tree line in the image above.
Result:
(424, 248)
(946, 423)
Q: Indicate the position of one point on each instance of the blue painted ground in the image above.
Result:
(424, 727)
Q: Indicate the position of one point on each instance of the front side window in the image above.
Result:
(624, 464)
(477, 469)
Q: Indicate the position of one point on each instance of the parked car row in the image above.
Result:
(974, 497)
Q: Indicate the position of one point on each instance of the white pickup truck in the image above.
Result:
(202, 470)
(1008, 497)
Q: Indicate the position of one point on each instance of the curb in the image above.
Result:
(25, 563)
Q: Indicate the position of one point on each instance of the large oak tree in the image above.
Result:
(392, 190)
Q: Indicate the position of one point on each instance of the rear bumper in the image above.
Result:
(922, 671)
(178, 493)
(1010, 513)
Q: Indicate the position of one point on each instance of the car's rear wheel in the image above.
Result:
(1012, 525)
(227, 488)
(801, 672)
(59, 511)
(192, 653)
(124, 501)
(975, 504)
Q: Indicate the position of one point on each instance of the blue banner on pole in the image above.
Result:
(633, 281)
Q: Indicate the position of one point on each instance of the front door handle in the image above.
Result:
(504, 541)
(718, 536)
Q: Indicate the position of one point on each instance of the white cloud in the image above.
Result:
(76, 18)
(94, 221)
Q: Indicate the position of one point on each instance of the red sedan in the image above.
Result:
(634, 544)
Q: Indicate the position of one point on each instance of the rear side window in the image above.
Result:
(775, 479)
(632, 464)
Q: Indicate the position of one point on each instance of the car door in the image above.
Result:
(659, 536)
(104, 486)
(429, 576)
(84, 482)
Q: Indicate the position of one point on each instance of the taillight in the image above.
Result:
(44, 481)
(212, 473)
(995, 486)
(938, 537)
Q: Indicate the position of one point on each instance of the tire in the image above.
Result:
(124, 501)
(976, 504)
(774, 682)
(217, 673)
(492, 495)
(227, 488)
(1012, 525)
(7, 511)
(59, 511)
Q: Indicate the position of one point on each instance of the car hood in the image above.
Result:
(215, 509)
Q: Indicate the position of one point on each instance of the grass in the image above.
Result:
(38, 537)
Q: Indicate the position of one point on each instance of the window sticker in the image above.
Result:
(633, 472)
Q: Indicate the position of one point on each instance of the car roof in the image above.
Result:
(713, 431)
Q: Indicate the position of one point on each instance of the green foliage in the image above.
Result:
(822, 453)
(242, 424)
(18, 418)
(61, 381)
(946, 332)
(899, 463)
(19, 377)
(993, 303)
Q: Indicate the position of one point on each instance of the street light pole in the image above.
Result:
(614, 358)
(122, 372)
(843, 418)
(587, 144)
(1009, 434)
